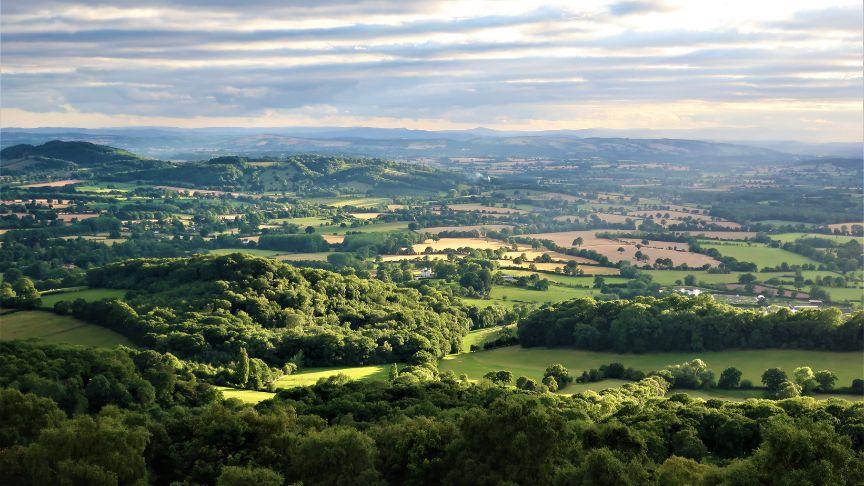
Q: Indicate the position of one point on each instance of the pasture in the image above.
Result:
(555, 293)
(481, 336)
(246, 251)
(57, 329)
(788, 237)
(761, 255)
(245, 396)
(90, 295)
(309, 376)
(532, 362)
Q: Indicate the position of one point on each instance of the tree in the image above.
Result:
(787, 389)
(560, 374)
(690, 280)
(309, 230)
(243, 476)
(337, 455)
(26, 295)
(772, 378)
(500, 378)
(394, 373)
(746, 278)
(805, 379)
(242, 371)
(729, 378)
(826, 380)
(578, 241)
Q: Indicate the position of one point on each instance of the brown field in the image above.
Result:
(547, 196)
(334, 239)
(97, 239)
(394, 207)
(365, 216)
(402, 258)
(722, 235)
(678, 216)
(848, 226)
(67, 217)
(64, 182)
(678, 257)
(609, 248)
(439, 229)
(455, 243)
(533, 254)
(485, 209)
(669, 245)
(565, 238)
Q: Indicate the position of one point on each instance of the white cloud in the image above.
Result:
(437, 64)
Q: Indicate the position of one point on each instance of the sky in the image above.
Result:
(751, 69)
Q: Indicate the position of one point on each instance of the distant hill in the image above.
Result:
(839, 163)
(196, 144)
(296, 173)
(57, 155)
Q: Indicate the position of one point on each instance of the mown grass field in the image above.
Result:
(246, 251)
(564, 279)
(56, 329)
(787, 237)
(555, 293)
(311, 375)
(90, 295)
(245, 396)
(303, 222)
(532, 362)
(761, 255)
(481, 336)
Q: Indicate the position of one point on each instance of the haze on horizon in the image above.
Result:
(786, 69)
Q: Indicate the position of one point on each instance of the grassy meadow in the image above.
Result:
(532, 362)
(56, 329)
(761, 255)
(90, 295)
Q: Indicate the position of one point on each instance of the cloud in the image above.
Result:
(448, 62)
(638, 7)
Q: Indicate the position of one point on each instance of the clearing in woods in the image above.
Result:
(90, 295)
(57, 329)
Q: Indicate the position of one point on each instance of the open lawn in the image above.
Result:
(309, 376)
(367, 228)
(564, 279)
(303, 222)
(304, 257)
(555, 293)
(532, 362)
(484, 303)
(481, 336)
(761, 255)
(245, 396)
(56, 329)
(90, 295)
(787, 237)
(246, 251)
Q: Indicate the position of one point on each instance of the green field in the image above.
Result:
(761, 255)
(311, 375)
(245, 396)
(90, 295)
(360, 202)
(368, 228)
(668, 277)
(532, 362)
(484, 303)
(302, 222)
(481, 336)
(564, 279)
(780, 222)
(556, 293)
(246, 251)
(56, 329)
(787, 237)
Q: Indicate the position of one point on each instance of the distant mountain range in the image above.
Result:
(403, 144)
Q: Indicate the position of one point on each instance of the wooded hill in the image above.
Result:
(59, 156)
(297, 173)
